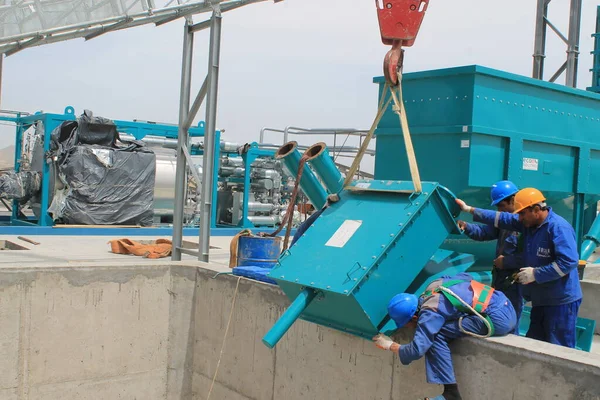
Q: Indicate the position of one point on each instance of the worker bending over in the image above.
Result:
(551, 259)
(508, 260)
(451, 307)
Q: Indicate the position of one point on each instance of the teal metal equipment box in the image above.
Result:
(472, 126)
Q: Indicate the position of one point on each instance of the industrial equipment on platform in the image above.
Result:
(93, 171)
(471, 126)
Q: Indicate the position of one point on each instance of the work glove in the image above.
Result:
(526, 276)
(464, 207)
(383, 342)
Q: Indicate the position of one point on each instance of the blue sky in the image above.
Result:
(305, 63)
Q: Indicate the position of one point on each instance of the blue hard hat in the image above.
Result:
(501, 190)
(402, 307)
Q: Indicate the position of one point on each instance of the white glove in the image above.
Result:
(383, 342)
(526, 276)
(463, 206)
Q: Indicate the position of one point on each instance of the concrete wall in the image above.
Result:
(590, 306)
(155, 332)
(84, 333)
(312, 362)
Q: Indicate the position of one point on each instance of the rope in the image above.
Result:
(468, 306)
(383, 105)
(224, 338)
(289, 214)
(233, 247)
(410, 152)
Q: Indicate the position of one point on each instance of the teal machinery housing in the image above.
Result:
(471, 126)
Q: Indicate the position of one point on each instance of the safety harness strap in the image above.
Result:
(482, 294)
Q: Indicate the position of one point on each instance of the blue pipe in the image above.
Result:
(288, 318)
(324, 166)
(309, 183)
(591, 240)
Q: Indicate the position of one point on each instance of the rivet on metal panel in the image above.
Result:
(282, 276)
(400, 224)
(364, 268)
(373, 257)
(493, 99)
(485, 98)
(328, 287)
(416, 204)
(383, 246)
(391, 235)
(354, 279)
(501, 101)
(312, 283)
(297, 280)
(408, 214)
(345, 291)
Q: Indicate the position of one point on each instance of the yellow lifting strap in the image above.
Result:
(396, 96)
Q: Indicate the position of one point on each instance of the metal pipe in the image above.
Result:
(209, 134)
(320, 160)
(229, 147)
(153, 140)
(290, 316)
(591, 240)
(573, 44)
(265, 129)
(309, 183)
(264, 220)
(182, 140)
(259, 207)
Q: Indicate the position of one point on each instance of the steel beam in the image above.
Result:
(573, 43)
(182, 140)
(539, 47)
(208, 173)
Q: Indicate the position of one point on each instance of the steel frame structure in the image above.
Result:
(10, 45)
(572, 42)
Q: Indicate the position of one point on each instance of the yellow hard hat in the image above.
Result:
(527, 197)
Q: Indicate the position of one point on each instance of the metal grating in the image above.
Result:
(28, 23)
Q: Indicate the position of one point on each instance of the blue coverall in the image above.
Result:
(438, 325)
(556, 294)
(506, 245)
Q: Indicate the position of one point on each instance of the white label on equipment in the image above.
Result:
(530, 164)
(363, 185)
(344, 233)
(464, 144)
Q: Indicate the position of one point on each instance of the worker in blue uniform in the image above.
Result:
(508, 258)
(551, 258)
(450, 307)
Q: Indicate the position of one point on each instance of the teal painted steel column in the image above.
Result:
(309, 183)
(320, 160)
(288, 318)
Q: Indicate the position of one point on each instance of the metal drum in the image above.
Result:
(258, 251)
